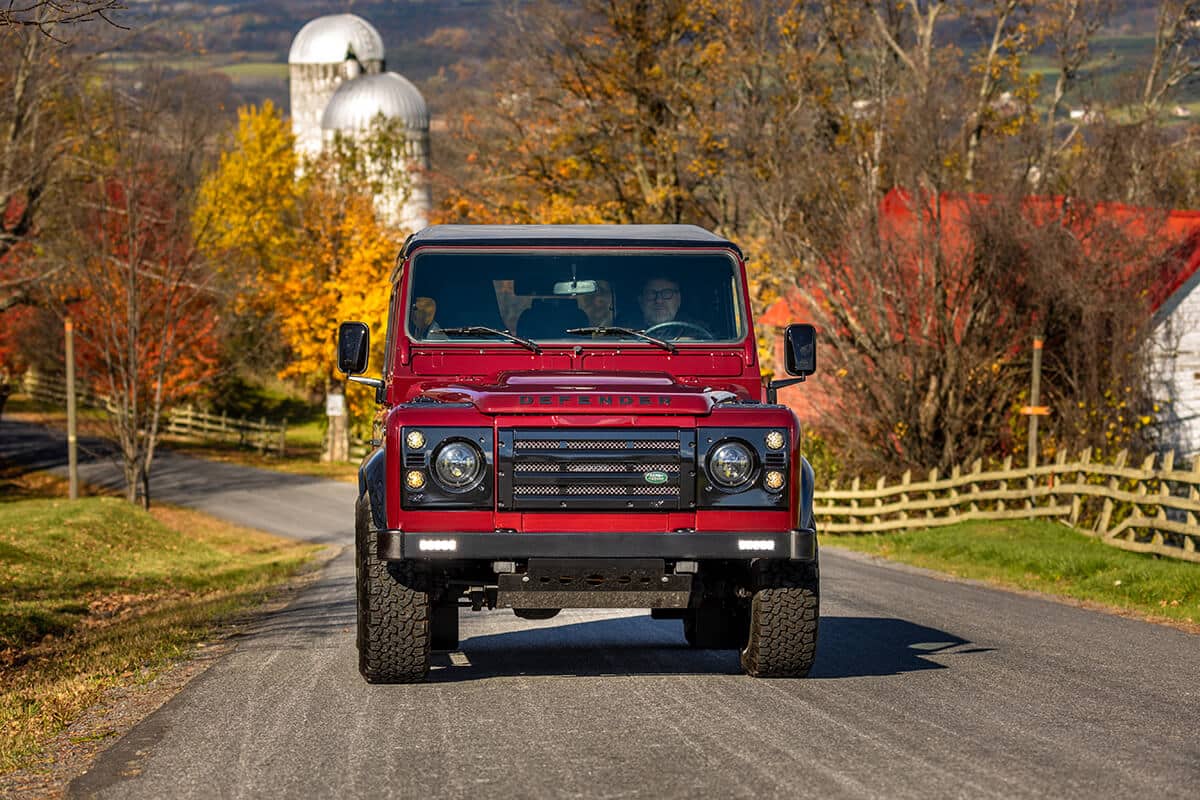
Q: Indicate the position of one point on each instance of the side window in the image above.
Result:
(389, 340)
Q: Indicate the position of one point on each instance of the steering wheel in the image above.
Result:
(700, 331)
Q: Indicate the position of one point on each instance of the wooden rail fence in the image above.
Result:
(53, 391)
(1151, 508)
(260, 434)
(182, 421)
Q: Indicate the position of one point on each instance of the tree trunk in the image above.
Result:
(145, 488)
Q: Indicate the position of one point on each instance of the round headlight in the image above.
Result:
(731, 464)
(415, 440)
(458, 465)
(774, 440)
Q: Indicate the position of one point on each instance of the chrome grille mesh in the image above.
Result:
(575, 490)
(594, 466)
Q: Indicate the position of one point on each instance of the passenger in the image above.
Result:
(599, 305)
(424, 325)
(659, 301)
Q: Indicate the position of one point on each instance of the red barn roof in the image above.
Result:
(1178, 230)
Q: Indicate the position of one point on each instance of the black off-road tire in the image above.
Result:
(393, 610)
(784, 616)
(715, 626)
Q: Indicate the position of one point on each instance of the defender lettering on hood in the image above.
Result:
(593, 400)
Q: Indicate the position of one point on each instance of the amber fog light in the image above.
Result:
(773, 480)
(415, 440)
(415, 479)
(774, 440)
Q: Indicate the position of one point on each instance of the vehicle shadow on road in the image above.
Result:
(848, 647)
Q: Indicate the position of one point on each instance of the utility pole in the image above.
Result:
(72, 441)
(1033, 410)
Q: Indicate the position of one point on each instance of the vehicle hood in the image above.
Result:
(584, 393)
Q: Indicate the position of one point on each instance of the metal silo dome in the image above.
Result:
(330, 39)
(356, 103)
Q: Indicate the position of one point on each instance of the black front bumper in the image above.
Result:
(795, 545)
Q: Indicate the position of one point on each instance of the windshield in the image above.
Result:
(543, 296)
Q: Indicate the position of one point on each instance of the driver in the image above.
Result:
(659, 300)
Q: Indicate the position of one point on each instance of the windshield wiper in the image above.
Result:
(512, 337)
(603, 330)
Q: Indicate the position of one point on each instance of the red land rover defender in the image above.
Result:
(575, 419)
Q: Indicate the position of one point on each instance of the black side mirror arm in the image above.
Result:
(374, 383)
(774, 386)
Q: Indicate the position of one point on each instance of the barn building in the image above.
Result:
(1177, 341)
(339, 85)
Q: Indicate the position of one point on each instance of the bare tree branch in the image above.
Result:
(46, 15)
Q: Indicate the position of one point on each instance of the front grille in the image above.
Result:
(596, 469)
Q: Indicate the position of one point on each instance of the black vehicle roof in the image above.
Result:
(567, 236)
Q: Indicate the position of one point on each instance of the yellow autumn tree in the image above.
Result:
(338, 271)
(246, 211)
(300, 251)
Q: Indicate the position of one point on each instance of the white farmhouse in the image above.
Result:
(1177, 345)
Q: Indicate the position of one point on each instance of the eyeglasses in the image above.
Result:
(660, 294)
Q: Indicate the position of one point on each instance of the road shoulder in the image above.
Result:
(74, 750)
(1117, 611)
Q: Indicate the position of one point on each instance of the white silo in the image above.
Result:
(327, 52)
(358, 109)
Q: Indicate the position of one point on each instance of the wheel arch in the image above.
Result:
(372, 483)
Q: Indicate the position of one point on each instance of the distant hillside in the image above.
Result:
(248, 40)
(443, 45)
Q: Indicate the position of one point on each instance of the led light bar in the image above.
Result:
(752, 544)
(441, 545)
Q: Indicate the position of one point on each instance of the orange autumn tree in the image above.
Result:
(140, 294)
(337, 272)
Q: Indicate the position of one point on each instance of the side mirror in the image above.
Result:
(800, 346)
(354, 350)
(800, 350)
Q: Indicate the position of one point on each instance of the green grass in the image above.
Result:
(1113, 60)
(1046, 557)
(97, 593)
(241, 67)
(256, 71)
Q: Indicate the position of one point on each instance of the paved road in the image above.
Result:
(922, 688)
(292, 505)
